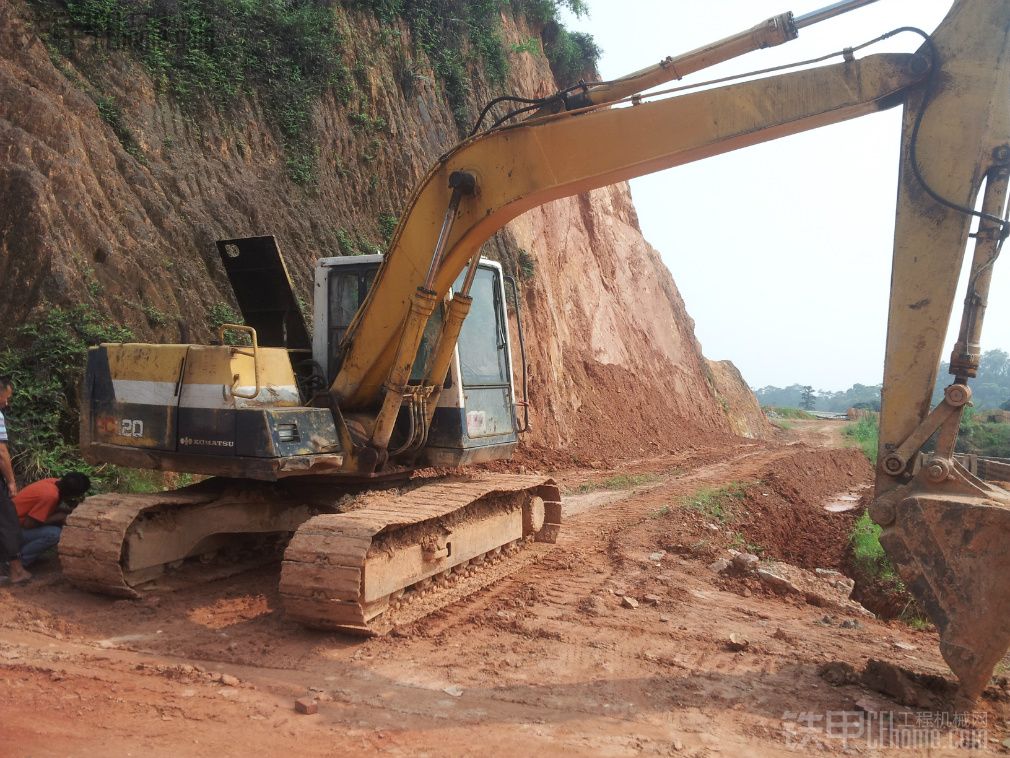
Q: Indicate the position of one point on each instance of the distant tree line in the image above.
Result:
(990, 390)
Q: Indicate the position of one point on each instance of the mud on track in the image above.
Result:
(548, 661)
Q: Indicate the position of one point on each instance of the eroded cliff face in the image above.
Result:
(614, 365)
(742, 408)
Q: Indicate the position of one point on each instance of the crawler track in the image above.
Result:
(117, 544)
(398, 558)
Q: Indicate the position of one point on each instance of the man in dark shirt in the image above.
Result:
(10, 529)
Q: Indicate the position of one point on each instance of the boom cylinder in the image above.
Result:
(421, 307)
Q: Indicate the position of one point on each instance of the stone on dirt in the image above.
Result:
(453, 689)
(837, 673)
(907, 687)
(828, 592)
(737, 643)
(651, 599)
(629, 602)
(719, 566)
(745, 563)
(657, 556)
(306, 706)
(228, 680)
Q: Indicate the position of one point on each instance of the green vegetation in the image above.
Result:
(717, 503)
(211, 52)
(289, 52)
(355, 244)
(527, 265)
(531, 46)
(740, 542)
(112, 115)
(878, 577)
(221, 314)
(617, 482)
(864, 433)
(46, 362)
(987, 438)
(808, 398)
(990, 389)
(456, 35)
(571, 55)
(867, 552)
(857, 396)
(154, 316)
(787, 412)
(387, 226)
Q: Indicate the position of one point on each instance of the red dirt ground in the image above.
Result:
(549, 661)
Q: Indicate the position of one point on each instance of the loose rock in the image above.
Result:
(719, 566)
(737, 643)
(629, 602)
(745, 563)
(837, 673)
(306, 706)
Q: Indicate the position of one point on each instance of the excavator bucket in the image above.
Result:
(950, 549)
(945, 530)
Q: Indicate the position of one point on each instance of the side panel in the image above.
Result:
(131, 394)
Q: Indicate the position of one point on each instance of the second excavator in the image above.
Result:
(410, 363)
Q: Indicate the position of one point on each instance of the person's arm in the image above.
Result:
(57, 517)
(7, 469)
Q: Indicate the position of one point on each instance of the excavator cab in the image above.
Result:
(474, 420)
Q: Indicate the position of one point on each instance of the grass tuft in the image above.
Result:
(717, 503)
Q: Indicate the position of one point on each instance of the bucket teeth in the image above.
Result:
(952, 553)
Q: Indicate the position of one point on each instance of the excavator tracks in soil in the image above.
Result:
(396, 559)
(391, 558)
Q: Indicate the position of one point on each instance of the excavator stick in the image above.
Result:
(945, 530)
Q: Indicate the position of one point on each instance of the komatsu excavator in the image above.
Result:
(410, 362)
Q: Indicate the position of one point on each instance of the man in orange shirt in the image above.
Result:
(40, 512)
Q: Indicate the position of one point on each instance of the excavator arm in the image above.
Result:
(514, 169)
(944, 529)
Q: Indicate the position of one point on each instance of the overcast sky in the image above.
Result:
(782, 251)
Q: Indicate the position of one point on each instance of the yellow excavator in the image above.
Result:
(314, 443)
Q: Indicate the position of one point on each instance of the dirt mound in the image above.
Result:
(741, 406)
(783, 511)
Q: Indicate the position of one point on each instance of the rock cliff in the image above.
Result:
(115, 191)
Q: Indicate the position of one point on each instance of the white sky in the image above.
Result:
(782, 251)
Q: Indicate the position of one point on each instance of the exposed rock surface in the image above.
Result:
(614, 364)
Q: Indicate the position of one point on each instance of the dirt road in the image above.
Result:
(550, 661)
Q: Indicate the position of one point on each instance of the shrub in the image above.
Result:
(206, 51)
(47, 363)
(865, 433)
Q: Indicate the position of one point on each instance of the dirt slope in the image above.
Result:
(614, 361)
